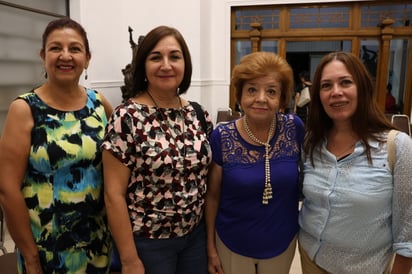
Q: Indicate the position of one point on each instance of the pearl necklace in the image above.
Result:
(267, 192)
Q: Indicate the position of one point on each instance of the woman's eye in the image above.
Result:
(271, 92)
(251, 90)
(346, 83)
(54, 49)
(155, 58)
(176, 57)
(325, 86)
(75, 49)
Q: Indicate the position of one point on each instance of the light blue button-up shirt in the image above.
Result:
(354, 214)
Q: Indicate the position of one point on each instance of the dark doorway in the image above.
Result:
(299, 61)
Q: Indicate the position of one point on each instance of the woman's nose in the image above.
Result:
(166, 63)
(261, 95)
(65, 55)
(336, 89)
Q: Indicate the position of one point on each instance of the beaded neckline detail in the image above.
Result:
(267, 192)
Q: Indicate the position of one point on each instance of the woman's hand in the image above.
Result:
(214, 264)
(33, 267)
(135, 267)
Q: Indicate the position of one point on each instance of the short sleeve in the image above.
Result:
(119, 139)
(216, 145)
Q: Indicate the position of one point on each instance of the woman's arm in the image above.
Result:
(295, 104)
(212, 205)
(116, 179)
(15, 145)
(402, 206)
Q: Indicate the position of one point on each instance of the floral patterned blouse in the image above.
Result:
(168, 153)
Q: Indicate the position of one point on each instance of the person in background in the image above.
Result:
(390, 103)
(357, 210)
(51, 184)
(156, 158)
(253, 195)
(302, 111)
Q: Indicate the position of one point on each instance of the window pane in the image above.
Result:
(398, 72)
(372, 15)
(319, 17)
(269, 18)
(305, 55)
(270, 46)
(319, 46)
(369, 55)
(242, 47)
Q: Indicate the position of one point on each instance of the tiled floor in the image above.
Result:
(295, 269)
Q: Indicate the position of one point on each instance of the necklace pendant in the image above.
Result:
(267, 193)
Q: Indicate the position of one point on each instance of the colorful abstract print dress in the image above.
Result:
(63, 187)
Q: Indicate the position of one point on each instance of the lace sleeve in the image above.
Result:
(402, 196)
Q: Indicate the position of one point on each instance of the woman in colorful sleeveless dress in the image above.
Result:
(51, 185)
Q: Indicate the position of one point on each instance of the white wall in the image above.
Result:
(107, 23)
(205, 24)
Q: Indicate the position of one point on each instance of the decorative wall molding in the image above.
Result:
(119, 83)
(105, 84)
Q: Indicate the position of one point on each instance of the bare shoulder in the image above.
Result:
(19, 115)
(17, 130)
(107, 106)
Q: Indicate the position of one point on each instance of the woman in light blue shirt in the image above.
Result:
(357, 211)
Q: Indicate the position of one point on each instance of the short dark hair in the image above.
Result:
(65, 22)
(389, 87)
(305, 75)
(139, 84)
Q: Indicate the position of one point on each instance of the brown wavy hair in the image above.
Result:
(368, 121)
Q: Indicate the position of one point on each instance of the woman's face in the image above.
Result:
(64, 56)
(260, 98)
(338, 92)
(165, 66)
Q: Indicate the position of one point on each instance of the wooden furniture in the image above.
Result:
(402, 122)
(8, 263)
(226, 114)
(2, 232)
